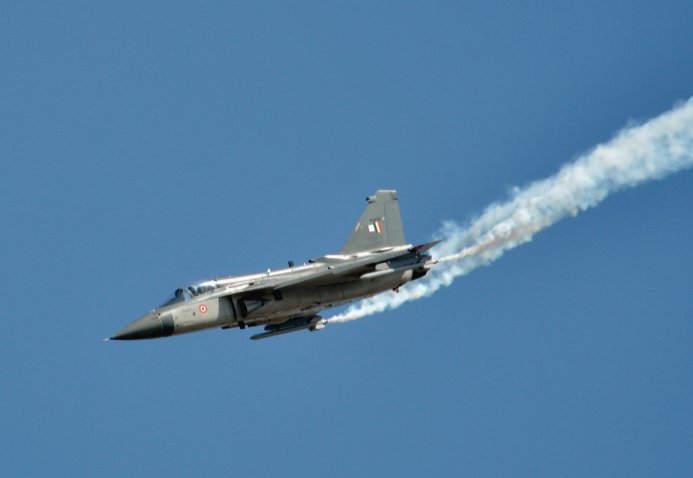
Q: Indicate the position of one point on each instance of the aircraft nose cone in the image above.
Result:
(148, 327)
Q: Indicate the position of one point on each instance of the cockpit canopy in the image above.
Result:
(187, 293)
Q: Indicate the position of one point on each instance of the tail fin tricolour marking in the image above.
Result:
(380, 225)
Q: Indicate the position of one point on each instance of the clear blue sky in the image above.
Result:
(148, 144)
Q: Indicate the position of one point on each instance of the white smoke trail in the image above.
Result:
(653, 150)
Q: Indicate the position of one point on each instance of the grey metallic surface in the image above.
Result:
(374, 259)
(382, 212)
(147, 327)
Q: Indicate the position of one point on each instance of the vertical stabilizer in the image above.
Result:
(380, 225)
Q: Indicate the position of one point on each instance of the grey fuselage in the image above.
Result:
(375, 258)
(275, 297)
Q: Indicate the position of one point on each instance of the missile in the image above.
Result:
(316, 323)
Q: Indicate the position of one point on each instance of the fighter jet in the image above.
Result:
(374, 259)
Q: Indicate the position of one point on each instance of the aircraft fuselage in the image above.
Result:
(374, 259)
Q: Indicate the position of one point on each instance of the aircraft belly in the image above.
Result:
(302, 300)
(372, 286)
(292, 301)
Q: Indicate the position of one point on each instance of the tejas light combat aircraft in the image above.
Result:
(374, 259)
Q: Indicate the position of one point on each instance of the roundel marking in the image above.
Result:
(203, 308)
